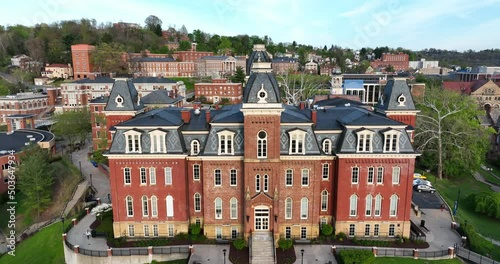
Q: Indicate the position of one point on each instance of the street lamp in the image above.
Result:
(91, 180)
(62, 219)
(80, 163)
(224, 251)
(302, 251)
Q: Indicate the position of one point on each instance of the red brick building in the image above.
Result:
(83, 67)
(283, 65)
(217, 90)
(400, 61)
(261, 166)
(27, 103)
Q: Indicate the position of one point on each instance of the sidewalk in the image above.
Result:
(318, 254)
(440, 235)
(480, 178)
(209, 254)
(76, 235)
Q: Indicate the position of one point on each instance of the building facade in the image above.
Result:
(400, 61)
(25, 103)
(284, 65)
(83, 67)
(261, 166)
(219, 89)
(64, 71)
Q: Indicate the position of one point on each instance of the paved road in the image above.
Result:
(427, 200)
(317, 254)
(7, 77)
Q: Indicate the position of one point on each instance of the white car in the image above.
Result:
(422, 182)
(424, 188)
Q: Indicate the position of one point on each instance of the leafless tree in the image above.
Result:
(297, 88)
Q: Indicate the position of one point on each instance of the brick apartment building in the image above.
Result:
(283, 65)
(261, 165)
(219, 66)
(55, 70)
(28, 103)
(217, 90)
(400, 61)
(82, 64)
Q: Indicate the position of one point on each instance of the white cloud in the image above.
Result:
(368, 7)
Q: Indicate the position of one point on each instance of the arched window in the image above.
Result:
(378, 205)
(145, 209)
(197, 202)
(266, 183)
(324, 200)
(304, 208)
(218, 208)
(288, 208)
(130, 206)
(262, 144)
(369, 200)
(327, 146)
(233, 204)
(257, 183)
(393, 211)
(195, 147)
(170, 206)
(154, 206)
(353, 205)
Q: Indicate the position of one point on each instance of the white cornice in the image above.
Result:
(296, 124)
(303, 157)
(379, 155)
(145, 156)
(132, 113)
(227, 124)
(195, 132)
(219, 158)
(328, 131)
(378, 126)
(146, 127)
(412, 112)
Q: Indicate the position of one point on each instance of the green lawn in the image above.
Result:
(489, 177)
(389, 260)
(44, 247)
(189, 82)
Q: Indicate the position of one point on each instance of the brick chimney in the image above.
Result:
(207, 115)
(314, 116)
(186, 115)
(302, 105)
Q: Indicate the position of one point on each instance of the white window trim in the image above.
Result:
(324, 198)
(302, 177)
(391, 133)
(194, 202)
(364, 133)
(220, 175)
(376, 180)
(215, 208)
(168, 176)
(154, 206)
(264, 145)
(170, 209)
(353, 205)
(327, 146)
(286, 175)
(132, 133)
(291, 208)
(160, 144)
(374, 172)
(226, 134)
(235, 175)
(396, 175)
(393, 208)
(127, 207)
(145, 174)
(152, 176)
(377, 210)
(304, 214)
(352, 174)
(300, 136)
(124, 176)
(199, 172)
(233, 201)
(369, 205)
(327, 165)
(145, 207)
(193, 143)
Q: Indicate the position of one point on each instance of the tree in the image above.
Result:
(390, 68)
(184, 45)
(72, 125)
(108, 58)
(298, 88)
(239, 75)
(452, 140)
(153, 23)
(35, 178)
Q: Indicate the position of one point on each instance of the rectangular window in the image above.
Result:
(144, 180)
(376, 230)
(305, 177)
(168, 176)
(218, 232)
(326, 171)
(289, 178)
(266, 183)
(226, 144)
(146, 230)
(367, 230)
(233, 177)
(303, 232)
(126, 175)
(391, 230)
(152, 176)
(364, 143)
(391, 141)
(395, 175)
(355, 175)
(171, 232)
(322, 222)
(288, 232)
(297, 144)
(380, 175)
(352, 230)
(371, 172)
(196, 172)
(217, 178)
(234, 232)
(131, 231)
(155, 230)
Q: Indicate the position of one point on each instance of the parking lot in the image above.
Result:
(427, 200)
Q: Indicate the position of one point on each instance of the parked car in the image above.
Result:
(424, 188)
(419, 176)
(421, 182)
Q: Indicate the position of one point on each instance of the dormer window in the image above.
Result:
(391, 139)
(158, 141)
(226, 143)
(365, 141)
(119, 101)
(297, 142)
(401, 100)
(195, 147)
(133, 144)
(327, 146)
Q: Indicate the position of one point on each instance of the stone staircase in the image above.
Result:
(262, 248)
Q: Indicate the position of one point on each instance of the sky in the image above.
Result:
(444, 24)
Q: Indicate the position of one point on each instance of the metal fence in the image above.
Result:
(432, 254)
(93, 253)
(474, 257)
(397, 252)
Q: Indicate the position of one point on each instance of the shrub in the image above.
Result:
(327, 230)
(55, 158)
(341, 236)
(356, 256)
(195, 229)
(181, 236)
(239, 243)
(373, 243)
(487, 203)
(285, 244)
(476, 242)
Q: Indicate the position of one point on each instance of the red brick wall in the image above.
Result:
(406, 119)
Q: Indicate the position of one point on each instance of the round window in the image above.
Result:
(119, 100)
(262, 94)
(262, 134)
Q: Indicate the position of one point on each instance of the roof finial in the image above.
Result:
(258, 57)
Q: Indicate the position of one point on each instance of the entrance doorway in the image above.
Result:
(261, 218)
